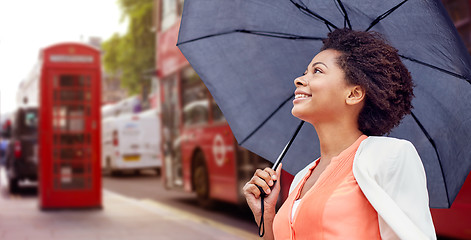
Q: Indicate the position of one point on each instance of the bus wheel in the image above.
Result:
(201, 181)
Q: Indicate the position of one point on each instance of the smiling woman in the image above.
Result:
(362, 186)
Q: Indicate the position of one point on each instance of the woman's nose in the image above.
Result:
(299, 81)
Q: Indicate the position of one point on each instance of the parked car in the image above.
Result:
(22, 151)
(131, 142)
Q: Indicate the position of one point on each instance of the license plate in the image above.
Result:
(132, 158)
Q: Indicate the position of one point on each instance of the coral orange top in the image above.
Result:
(334, 208)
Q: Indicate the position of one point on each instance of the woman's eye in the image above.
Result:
(317, 70)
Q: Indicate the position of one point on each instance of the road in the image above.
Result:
(149, 186)
(134, 207)
(145, 190)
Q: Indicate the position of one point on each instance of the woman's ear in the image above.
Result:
(355, 95)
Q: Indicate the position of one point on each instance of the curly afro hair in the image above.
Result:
(370, 62)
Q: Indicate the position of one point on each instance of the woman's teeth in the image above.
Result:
(301, 96)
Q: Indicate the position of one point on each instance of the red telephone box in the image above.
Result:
(69, 127)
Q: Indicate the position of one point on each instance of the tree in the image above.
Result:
(132, 54)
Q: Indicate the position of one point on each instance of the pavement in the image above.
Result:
(121, 218)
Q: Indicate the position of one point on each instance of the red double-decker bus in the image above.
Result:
(201, 153)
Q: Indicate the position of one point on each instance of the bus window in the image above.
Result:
(195, 99)
(216, 112)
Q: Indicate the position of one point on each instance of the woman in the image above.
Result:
(361, 187)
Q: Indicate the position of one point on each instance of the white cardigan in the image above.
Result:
(391, 175)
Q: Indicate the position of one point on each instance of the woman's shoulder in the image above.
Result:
(384, 142)
(386, 154)
(391, 175)
(384, 146)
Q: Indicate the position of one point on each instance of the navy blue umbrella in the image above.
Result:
(248, 52)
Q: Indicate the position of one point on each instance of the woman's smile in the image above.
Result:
(300, 96)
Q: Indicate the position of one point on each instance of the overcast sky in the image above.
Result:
(26, 26)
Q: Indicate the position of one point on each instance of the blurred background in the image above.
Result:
(148, 130)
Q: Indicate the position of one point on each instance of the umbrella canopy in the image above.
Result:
(248, 52)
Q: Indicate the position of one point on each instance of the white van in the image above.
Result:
(131, 142)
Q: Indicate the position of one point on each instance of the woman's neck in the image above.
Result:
(334, 138)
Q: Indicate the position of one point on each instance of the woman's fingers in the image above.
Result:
(275, 189)
(251, 186)
(277, 173)
(267, 175)
(278, 170)
(262, 178)
(262, 184)
(251, 189)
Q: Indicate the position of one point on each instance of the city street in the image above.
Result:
(148, 187)
(134, 207)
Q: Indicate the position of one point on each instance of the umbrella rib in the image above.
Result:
(345, 15)
(266, 119)
(384, 15)
(260, 33)
(436, 68)
(278, 35)
(307, 11)
(436, 152)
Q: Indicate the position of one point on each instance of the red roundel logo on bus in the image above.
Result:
(219, 150)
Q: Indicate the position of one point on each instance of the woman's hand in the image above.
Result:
(265, 179)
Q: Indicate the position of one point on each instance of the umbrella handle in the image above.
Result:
(288, 145)
(261, 227)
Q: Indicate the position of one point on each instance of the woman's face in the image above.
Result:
(321, 92)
